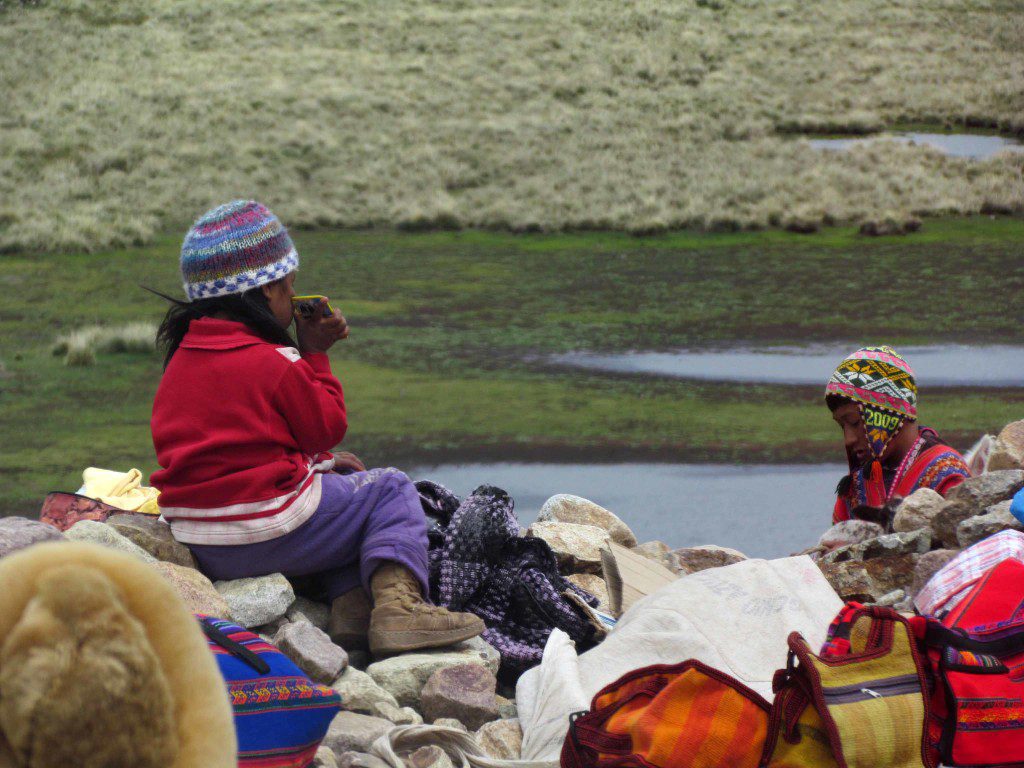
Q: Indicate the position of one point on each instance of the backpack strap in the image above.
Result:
(938, 635)
(234, 648)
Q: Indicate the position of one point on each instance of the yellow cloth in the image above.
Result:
(123, 490)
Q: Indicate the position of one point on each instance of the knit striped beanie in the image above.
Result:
(233, 248)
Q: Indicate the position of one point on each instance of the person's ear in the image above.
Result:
(268, 292)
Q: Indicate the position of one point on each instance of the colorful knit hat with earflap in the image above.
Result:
(233, 248)
(882, 383)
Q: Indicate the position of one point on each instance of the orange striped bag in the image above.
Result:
(670, 716)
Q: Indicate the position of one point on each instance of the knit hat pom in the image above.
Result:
(234, 248)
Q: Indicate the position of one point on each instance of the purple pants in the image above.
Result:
(363, 519)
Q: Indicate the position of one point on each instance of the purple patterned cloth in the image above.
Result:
(485, 567)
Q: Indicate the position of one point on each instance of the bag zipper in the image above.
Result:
(872, 689)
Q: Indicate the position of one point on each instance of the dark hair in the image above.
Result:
(250, 308)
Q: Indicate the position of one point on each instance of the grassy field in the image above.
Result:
(450, 330)
(123, 119)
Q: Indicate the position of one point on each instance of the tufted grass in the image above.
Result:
(123, 119)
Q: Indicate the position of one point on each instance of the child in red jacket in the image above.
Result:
(244, 421)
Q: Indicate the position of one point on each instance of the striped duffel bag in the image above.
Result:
(862, 702)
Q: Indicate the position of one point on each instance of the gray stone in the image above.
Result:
(478, 648)
(258, 600)
(694, 559)
(153, 535)
(988, 489)
(593, 584)
(105, 536)
(507, 708)
(450, 722)
(566, 508)
(430, 756)
(577, 547)
(315, 613)
(1008, 449)
(352, 732)
(360, 760)
(404, 676)
(312, 651)
(996, 518)
(891, 598)
(397, 715)
(195, 589)
(20, 532)
(849, 532)
(947, 521)
(324, 758)
(271, 628)
(927, 565)
(464, 692)
(868, 580)
(912, 542)
(502, 739)
(360, 694)
(917, 510)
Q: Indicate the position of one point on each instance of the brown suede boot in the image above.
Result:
(403, 621)
(350, 620)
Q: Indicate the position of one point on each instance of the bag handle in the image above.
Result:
(938, 635)
(234, 648)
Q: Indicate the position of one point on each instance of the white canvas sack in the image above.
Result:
(735, 619)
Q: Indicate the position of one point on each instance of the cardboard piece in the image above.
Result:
(630, 576)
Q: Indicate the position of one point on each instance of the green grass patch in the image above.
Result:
(450, 332)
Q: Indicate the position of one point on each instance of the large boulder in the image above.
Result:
(577, 547)
(102, 534)
(195, 589)
(502, 739)
(595, 585)
(259, 600)
(566, 508)
(869, 580)
(916, 542)
(360, 760)
(947, 521)
(996, 518)
(352, 732)
(153, 535)
(694, 559)
(927, 566)
(359, 693)
(20, 532)
(849, 532)
(990, 488)
(312, 651)
(1008, 449)
(324, 758)
(465, 692)
(917, 510)
(404, 676)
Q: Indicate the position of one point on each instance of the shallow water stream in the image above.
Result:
(761, 510)
(950, 365)
(973, 146)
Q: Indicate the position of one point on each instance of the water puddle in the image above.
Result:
(953, 365)
(762, 510)
(973, 146)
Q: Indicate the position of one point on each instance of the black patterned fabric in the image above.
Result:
(485, 567)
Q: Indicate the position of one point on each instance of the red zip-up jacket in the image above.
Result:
(242, 430)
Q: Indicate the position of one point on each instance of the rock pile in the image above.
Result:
(457, 686)
(863, 562)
